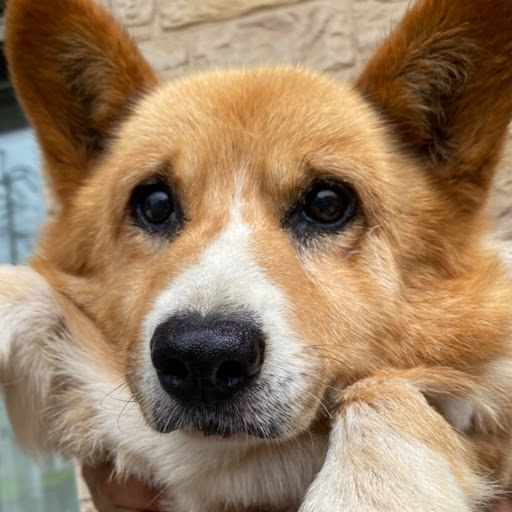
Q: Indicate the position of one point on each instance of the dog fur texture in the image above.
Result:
(387, 378)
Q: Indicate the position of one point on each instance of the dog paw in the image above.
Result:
(21, 291)
(389, 451)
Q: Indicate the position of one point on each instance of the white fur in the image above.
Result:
(370, 468)
(460, 413)
(226, 279)
(484, 410)
(14, 306)
(198, 474)
(500, 242)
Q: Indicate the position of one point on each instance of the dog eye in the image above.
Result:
(157, 206)
(329, 204)
(327, 207)
(153, 207)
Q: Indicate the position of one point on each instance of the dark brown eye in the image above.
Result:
(328, 204)
(326, 208)
(157, 206)
(154, 208)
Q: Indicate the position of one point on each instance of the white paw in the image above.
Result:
(22, 293)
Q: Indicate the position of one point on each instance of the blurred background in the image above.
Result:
(24, 486)
(179, 37)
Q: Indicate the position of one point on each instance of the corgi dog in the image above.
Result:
(264, 289)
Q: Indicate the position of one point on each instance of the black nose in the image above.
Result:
(206, 358)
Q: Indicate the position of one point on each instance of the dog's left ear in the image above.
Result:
(75, 72)
(443, 79)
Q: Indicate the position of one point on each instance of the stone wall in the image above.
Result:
(179, 37)
(182, 36)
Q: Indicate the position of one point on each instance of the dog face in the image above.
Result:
(251, 242)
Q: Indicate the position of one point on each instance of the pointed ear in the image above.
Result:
(443, 79)
(75, 72)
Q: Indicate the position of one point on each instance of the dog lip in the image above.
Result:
(215, 430)
(212, 420)
(197, 433)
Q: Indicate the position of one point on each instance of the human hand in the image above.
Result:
(503, 506)
(109, 495)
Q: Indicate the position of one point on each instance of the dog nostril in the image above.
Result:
(206, 359)
(230, 371)
(176, 370)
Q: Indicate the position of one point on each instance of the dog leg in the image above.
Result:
(55, 387)
(389, 451)
(27, 311)
(29, 321)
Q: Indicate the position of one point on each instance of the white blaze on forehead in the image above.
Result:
(225, 280)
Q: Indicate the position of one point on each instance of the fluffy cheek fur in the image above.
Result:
(377, 320)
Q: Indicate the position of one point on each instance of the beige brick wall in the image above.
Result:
(183, 36)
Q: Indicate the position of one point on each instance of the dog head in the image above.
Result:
(248, 241)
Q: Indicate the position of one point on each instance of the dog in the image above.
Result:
(263, 289)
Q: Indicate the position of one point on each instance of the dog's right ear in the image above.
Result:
(75, 71)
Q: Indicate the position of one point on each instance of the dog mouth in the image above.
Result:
(213, 374)
(217, 375)
(224, 420)
(264, 410)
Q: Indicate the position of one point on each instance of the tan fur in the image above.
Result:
(401, 322)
